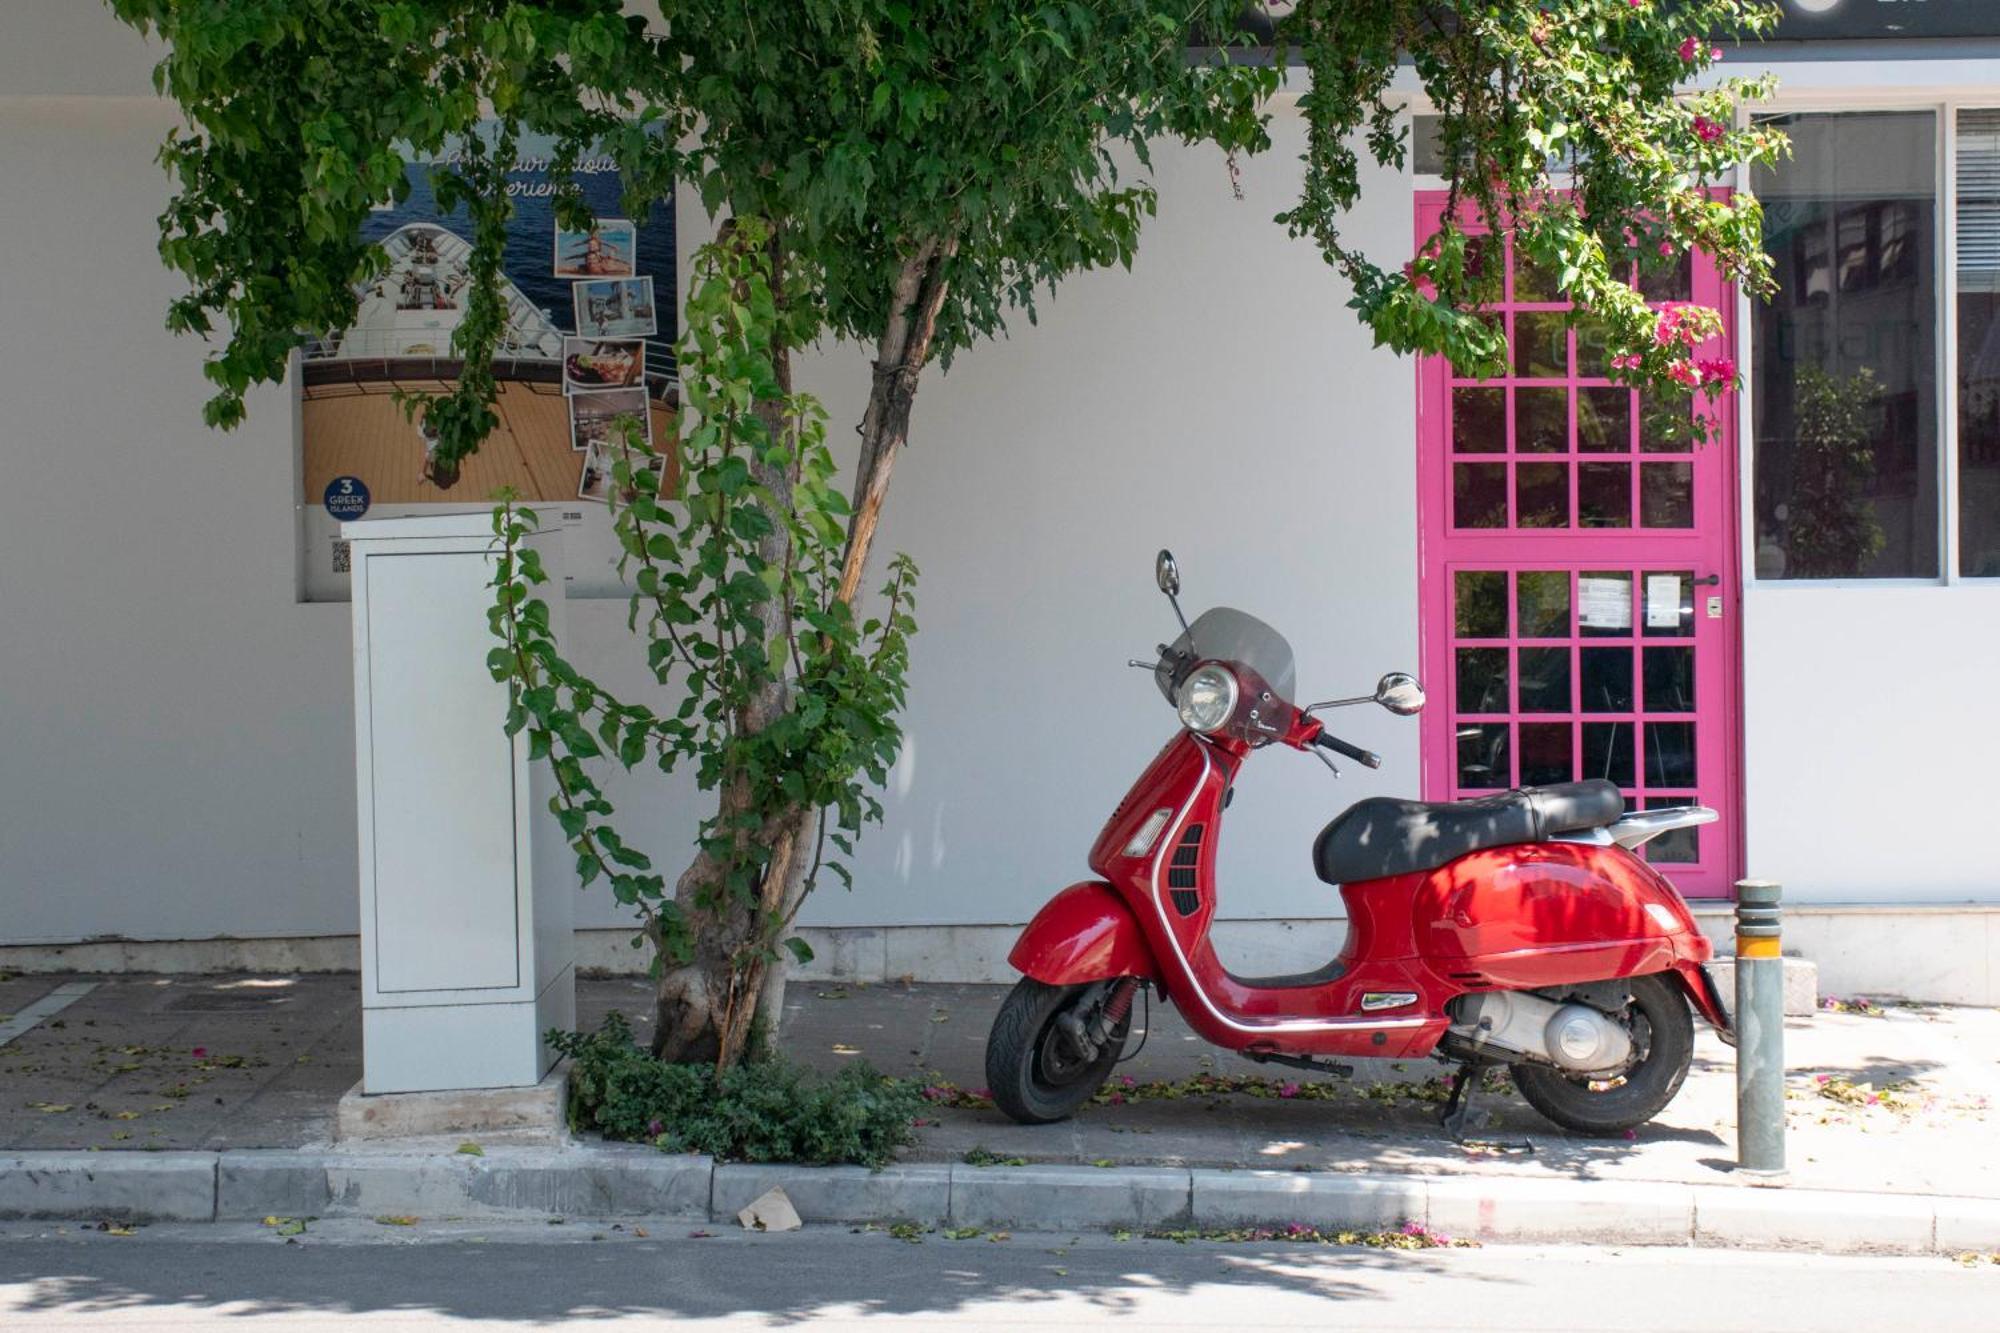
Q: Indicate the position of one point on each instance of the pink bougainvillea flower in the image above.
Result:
(1627, 361)
(199, 1052)
(1680, 372)
(1715, 53)
(1666, 247)
(1706, 130)
(655, 1128)
(1288, 1089)
(1690, 49)
(1720, 370)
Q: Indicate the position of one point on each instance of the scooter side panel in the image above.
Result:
(1083, 934)
(1542, 914)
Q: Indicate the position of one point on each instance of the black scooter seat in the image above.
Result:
(1383, 836)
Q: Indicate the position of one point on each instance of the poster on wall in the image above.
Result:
(588, 312)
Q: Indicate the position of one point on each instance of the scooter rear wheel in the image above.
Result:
(1033, 1069)
(1663, 1037)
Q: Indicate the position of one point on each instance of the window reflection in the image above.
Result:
(1846, 422)
(1979, 343)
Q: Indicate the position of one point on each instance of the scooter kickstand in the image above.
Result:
(1457, 1114)
(1458, 1107)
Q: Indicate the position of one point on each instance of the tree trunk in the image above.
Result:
(708, 1008)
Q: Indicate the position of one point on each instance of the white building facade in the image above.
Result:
(175, 695)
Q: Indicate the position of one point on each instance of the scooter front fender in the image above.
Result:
(1083, 934)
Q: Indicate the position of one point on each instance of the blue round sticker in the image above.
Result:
(346, 497)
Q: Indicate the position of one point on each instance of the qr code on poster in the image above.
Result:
(343, 555)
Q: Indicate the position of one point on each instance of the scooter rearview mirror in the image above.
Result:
(1400, 693)
(1168, 575)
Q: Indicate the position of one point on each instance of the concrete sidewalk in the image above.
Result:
(1891, 1133)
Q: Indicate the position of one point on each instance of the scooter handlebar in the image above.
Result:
(1360, 756)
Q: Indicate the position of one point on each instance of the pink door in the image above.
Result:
(1579, 581)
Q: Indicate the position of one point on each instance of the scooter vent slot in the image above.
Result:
(1181, 872)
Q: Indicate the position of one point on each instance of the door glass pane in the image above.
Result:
(1544, 599)
(1604, 495)
(1670, 754)
(1592, 359)
(1607, 751)
(1541, 420)
(1546, 753)
(1668, 279)
(1603, 420)
(1605, 598)
(1479, 495)
(1541, 344)
(1666, 495)
(1846, 430)
(1680, 846)
(1666, 427)
(1669, 603)
(1979, 343)
(1481, 603)
(1670, 679)
(1479, 420)
(1533, 282)
(1482, 755)
(1544, 685)
(1541, 495)
(1607, 680)
(1482, 680)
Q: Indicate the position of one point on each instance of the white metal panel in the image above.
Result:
(444, 893)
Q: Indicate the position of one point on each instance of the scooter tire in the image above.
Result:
(1015, 1072)
(1645, 1089)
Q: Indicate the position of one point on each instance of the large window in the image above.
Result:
(1845, 392)
(1873, 460)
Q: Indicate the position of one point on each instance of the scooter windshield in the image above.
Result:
(1225, 634)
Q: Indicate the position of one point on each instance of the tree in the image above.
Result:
(903, 173)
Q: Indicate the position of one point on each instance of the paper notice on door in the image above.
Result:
(1663, 601)
(1604, 603)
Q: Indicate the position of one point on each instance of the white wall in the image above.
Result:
(176, 728)
(1219, 400)
(1870, 731)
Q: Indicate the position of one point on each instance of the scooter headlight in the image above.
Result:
(1207, 698)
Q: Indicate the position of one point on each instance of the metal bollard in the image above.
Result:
(1760, 1030)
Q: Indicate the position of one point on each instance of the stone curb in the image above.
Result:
(624, 1180)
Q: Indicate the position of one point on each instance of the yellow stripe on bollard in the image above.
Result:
(1762, 947)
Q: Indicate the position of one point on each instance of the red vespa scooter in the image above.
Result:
(1516, 929)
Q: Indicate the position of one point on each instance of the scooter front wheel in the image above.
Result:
(1033, 1067)
(1663, 1043)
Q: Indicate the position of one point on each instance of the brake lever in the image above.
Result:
(1326, 759)
(1150, 666)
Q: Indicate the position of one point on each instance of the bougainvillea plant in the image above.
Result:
(1569, 127)
(905, 174)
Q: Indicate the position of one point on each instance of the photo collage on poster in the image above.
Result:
(585, 343)
(604, 363)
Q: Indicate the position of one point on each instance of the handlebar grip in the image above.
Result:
(1354, 752)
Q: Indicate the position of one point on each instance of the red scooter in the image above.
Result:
(1516, 929)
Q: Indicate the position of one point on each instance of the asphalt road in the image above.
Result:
(440, 1275)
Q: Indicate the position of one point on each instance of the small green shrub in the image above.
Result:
(769, 1110)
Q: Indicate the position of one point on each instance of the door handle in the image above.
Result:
(1710, 581)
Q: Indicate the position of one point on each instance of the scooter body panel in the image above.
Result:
(1518, 917)
(1550, 913)
(1085, 933)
